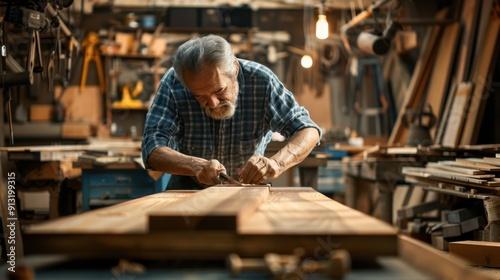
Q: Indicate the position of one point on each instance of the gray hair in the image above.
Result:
(196, 53)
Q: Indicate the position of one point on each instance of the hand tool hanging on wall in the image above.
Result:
(91, 45)
(73, 44)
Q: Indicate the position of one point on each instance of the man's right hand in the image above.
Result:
(208, 174)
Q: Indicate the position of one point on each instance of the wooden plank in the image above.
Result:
(442, 123)
(481, 80)
(425, 257)
(469, 18)
(441, 71)
(492, 160)
(431, 169)
(126, 217)
(480, 253)
(455, 178)
(418, 81)
(446, 166)
(494, 165)
(482, 32)
(476, 163)
(309, 213)
(450, 184)
(214, 208)
(456, 118)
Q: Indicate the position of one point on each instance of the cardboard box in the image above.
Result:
(77, 130)
(41, 112)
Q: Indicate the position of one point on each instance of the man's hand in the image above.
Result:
(208, 174)
(258, 169)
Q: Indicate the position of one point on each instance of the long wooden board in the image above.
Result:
(440, 77)
(287, 219)
(215, 208)
(126, 217)
(456, 118)
(482, 82)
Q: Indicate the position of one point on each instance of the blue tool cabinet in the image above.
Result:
(103, 187)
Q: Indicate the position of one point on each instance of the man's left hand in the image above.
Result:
(258, 169)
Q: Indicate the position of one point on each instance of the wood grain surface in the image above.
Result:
(287, 218)
(215, 208)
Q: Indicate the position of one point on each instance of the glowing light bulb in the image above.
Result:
(306, 61)
(322, 27)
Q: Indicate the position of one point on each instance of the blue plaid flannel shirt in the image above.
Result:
(264, 106)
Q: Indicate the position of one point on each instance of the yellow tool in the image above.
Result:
(91, 44)
(127, 101)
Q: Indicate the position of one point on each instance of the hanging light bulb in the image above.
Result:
(322, 23)
(306, 61)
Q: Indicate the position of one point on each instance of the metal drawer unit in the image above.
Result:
(104, 187)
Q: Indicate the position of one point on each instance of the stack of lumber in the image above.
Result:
(457, 95)
(472, 172)
(459, 224)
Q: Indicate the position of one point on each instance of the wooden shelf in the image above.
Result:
(130, 55)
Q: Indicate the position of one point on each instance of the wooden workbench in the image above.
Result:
(278, 220)
(269, 220)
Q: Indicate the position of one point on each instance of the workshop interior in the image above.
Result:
(404, 184)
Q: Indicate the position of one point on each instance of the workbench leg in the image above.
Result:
(385, 202)
(54, 191)
(309, 177)
(350, 192)
(359, 194)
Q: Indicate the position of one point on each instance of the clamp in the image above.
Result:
(91, 44)
(293, 266)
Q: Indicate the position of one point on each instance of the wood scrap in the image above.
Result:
(460, 215)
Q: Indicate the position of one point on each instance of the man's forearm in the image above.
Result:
(297, 148)
(172, 162)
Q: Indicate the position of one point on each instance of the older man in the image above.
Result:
(216, 113)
